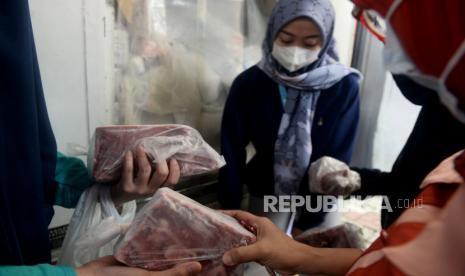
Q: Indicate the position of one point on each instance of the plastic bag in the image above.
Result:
(346, 235)
(173, 229)
(255, 22)
(175, 61)
(172, 87)
(178, 86)
(330, 176)
(95, 227)
(160, 142)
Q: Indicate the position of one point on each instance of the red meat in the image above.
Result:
(173, 229)
(160, 142)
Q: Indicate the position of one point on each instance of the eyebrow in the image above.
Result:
(307, 37)
(312, 36)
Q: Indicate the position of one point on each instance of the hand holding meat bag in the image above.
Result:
(160, 142)
(173, 229)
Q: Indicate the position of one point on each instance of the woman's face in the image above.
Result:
(301, 33)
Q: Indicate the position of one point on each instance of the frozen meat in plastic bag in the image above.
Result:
(346, 235)
(160, 142)
(173, 229)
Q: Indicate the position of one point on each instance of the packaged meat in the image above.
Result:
(346, 235)
(173, 229)
(160, 142)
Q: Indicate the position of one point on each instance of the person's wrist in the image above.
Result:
(117, 195)
(306, 258)
(327, 261)
(83, 271)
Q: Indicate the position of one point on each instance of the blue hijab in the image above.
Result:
(293, 147)
(27, 144)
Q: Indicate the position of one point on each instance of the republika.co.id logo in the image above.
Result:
(327, 203)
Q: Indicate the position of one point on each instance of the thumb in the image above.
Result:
(185, 269)
(241, 255)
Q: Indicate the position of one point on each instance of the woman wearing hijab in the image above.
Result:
(30, 180)
(295, 106)
(428, 238)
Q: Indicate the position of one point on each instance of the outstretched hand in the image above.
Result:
(273, 248)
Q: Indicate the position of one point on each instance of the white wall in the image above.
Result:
(72, 48)
(344, 31)
(397, 116)
(58, 29)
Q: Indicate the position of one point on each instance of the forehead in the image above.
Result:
(302, 26)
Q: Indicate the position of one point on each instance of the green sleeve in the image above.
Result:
(73, 178)
(37, 270)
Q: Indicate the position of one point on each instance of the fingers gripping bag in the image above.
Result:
(173, 229)
(160, 142)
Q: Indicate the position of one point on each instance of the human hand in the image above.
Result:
(147, 180)
(273, 248)
(332, 177)
(110, 266)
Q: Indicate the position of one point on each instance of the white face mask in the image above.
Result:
(398, 62)
(294, 58)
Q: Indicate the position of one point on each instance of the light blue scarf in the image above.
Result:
(293, 147)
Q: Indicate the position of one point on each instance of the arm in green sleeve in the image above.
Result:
(37, 270)
(73, 178)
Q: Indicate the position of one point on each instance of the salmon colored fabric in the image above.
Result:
(429, 247)
(431, 32)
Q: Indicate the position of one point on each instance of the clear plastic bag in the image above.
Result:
(330, 176)
(95, 227)
(175, 61)
(256, 14)
(346, 235)
(173, 229)
(160, 142)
